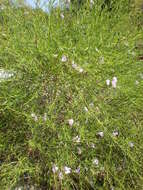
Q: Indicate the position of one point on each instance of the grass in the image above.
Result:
(44, 93)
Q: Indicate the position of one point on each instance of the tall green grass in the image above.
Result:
(36, 104)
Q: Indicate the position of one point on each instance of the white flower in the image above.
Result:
(100, 134)
(71, 122)
(115, 79)
(62, 15)
(131, 144)
(68, 1)
(77, 170)
(81, 70)
(64, 58)
(34, 116)
(60, 175)
(137, 82)
(5, 74)
(108, 82)
(91, 104)
(45, 117)
(79, 150)
(85, 109)
(92, 145)
(74, 66)
(67, 170)
(115, 133)
(114, 82)
(76, 139)
(92, 2)
(54, 168)
(96, 161)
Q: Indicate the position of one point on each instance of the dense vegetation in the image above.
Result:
(71, 98)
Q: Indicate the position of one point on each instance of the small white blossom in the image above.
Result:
(108, 82)
(74, 65)
(96, 161)
(62, 15)
(71, 122)
(100, 134)
(79, 150)
(45, 117)
(64, 58)
(76, 139)
(115, 133)
(5, 74)
(114, 82)
(131, 144)
(137, 82)
(81, 70)
(91, 2)
(68, 1)
(67, 170)
(91, 104)
(54, 168)
(92, 145)
(115, 79)
(34, 116)
(85, 109)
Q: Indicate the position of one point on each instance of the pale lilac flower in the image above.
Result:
(74, 66)
(114, 82)
(67, 170)
(131, 144)
(100, 134)
(115, 79)
(76, 139)
(108, 82)
(85, 109)
(77, 170)
(64, 58)
(62, 15)
(71, 122)
(60, 175)
(96, 161)
(34, 116)
(115, 133)
(79, 150)
(54, 168)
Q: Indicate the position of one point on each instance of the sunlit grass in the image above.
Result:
(71, 115)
